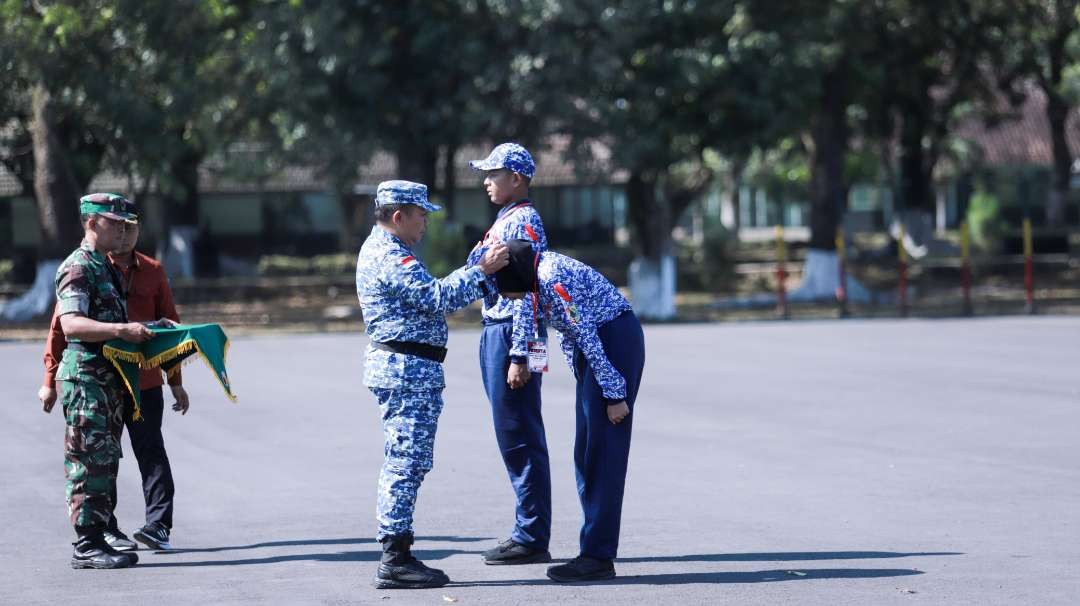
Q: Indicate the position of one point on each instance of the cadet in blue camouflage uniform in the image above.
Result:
(605, 346)
(92, 309)
(404, 311)
(513, 391)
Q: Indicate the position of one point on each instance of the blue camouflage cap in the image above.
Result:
(404, 192)
(510, 156)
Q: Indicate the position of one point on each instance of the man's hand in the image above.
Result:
(496, 258)
(181, 404)
(134, 332)
(163, 323)
(518, 375)
(47, 395)
(617, 412)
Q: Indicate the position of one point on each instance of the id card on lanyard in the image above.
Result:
(538, 354)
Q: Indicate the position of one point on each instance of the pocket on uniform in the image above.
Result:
(87, 419)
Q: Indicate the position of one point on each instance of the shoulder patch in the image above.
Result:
(532, 233)
(408, 261)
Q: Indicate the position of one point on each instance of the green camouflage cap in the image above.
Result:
(113, 206)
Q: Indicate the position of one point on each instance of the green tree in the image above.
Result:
(659, 84)
(1047, 31)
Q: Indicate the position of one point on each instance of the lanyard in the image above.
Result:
(536, 294)
(504, 217)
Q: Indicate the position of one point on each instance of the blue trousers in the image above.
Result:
(519, 431)
(601, 449)
(410, 419)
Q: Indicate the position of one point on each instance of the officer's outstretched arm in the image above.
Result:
(422, 291)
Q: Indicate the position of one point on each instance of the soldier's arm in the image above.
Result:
(55, 344)
(420, 290)
(73, 303)
(80, 327)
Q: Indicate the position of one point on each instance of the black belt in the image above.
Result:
(431, 352)
(91, 348)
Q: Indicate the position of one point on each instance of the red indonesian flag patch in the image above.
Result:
(532, 234)
(561, 290)
(408, 261)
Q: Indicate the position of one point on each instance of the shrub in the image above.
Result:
(984, 220)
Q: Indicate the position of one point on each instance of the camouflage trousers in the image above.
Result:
(409, 420)
(94, 416)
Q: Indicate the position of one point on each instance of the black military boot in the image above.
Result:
(398, 569)
(91, 551)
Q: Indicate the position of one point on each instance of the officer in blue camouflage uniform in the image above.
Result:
(513, 391)
(92, 309)
(404, 311)
(605, 346)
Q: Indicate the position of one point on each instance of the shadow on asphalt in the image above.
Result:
(345, 541)
(785, 556)
(760, 576)
(342, 556)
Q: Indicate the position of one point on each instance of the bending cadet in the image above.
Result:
(605, 346)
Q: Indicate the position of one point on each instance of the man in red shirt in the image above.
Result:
(148, 298)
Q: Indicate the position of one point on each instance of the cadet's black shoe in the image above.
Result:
(119, 541)
(154, 536)
(399, 569)
(91, 551)
(582, 568)
(511, 552)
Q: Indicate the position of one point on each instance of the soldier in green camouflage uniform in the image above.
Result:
(92, 310)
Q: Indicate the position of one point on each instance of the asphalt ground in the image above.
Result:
(815, 462)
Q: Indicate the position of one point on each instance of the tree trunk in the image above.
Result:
(730, 215)
(55, 185)
(180, 197)
(828, 189)
(417, 162)
(915, 167)
(652, 272)
(57, 192)
(181, 194)
(449, 193)
(1057, 112)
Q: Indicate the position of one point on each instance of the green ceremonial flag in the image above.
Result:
(168, 349)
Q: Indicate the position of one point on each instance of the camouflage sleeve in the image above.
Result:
(566, 344)
(72, 290)
(610, 380)
(524, 328)
(420, 290)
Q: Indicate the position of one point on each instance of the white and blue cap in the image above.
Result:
(404, 192)
(510, 156)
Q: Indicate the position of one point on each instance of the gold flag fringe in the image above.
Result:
(185, 347)
(114, 356)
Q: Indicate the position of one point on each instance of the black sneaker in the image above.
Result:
(94, 552)
(119, 541)
(511, 552)
(154, 536)
(582, 568)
